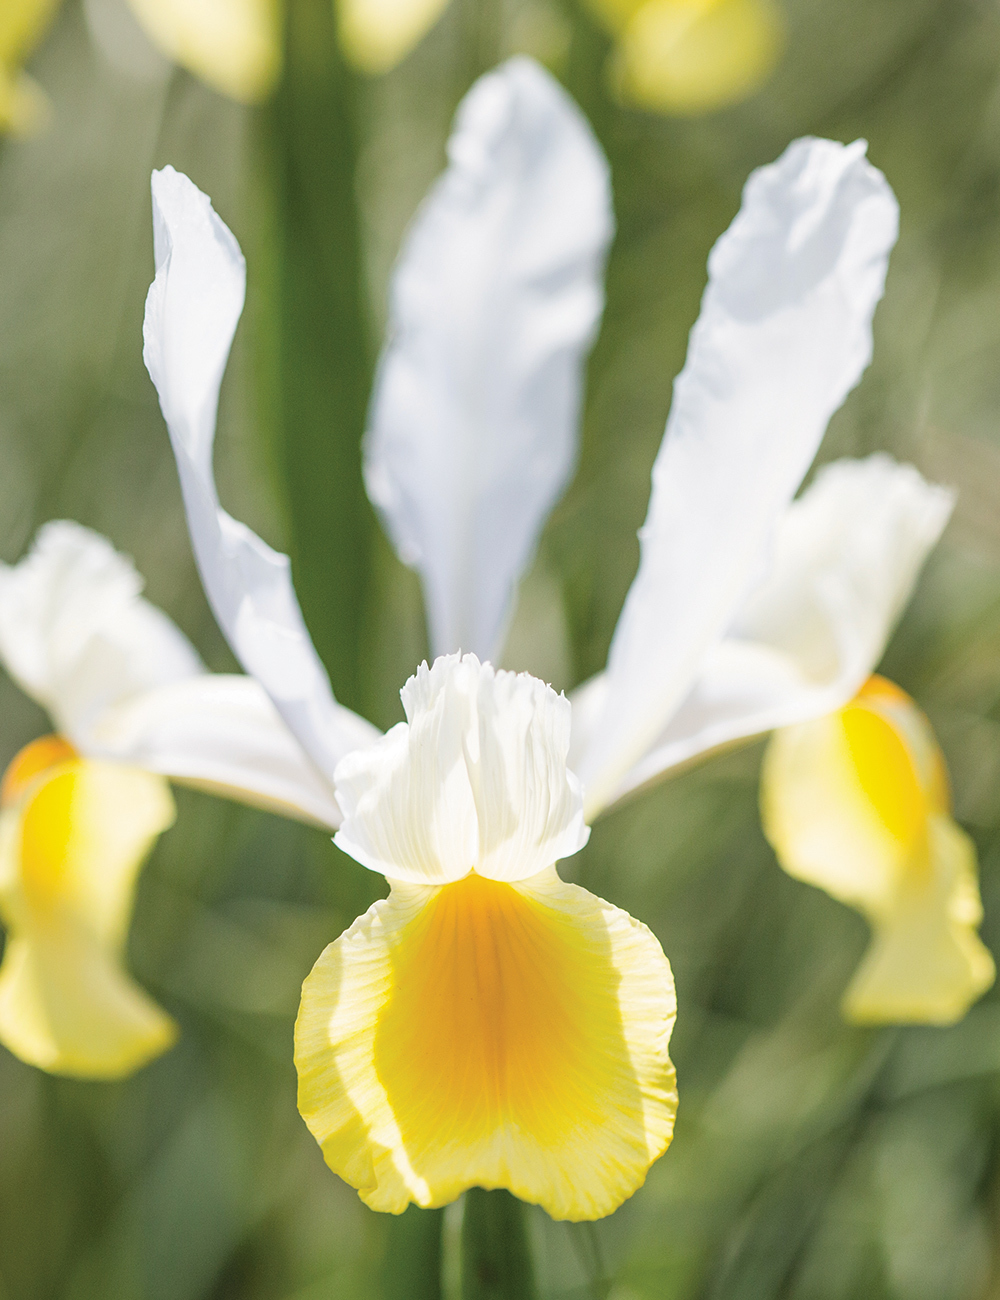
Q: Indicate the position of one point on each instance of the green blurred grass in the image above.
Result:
(812, 1161)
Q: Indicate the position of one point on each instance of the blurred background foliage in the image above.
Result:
(812, 1161)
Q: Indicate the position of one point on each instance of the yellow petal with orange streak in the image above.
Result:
(490, 1034)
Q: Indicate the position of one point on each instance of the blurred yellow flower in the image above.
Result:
(672, 56)
(858, 803)
(375, 35)
(691, 56)
(73, 835)
(22, 24)
(234, 46)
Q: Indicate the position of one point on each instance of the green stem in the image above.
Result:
(412, 1268)
(316, 333)
(496, 1260)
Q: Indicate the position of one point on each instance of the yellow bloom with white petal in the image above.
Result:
(487, 1024)
(693, 56)
(857, 803)
(73, 835)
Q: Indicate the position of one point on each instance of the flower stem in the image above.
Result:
(412, 1268)
(496, 1259)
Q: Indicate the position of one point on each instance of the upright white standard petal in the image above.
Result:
(784, 334)
(846, 558)
(474, 780)
(77, 636)
(192, 310)
(495, 302)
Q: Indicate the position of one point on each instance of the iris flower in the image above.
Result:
(234, 46)
(80, 809)
(487, 1023)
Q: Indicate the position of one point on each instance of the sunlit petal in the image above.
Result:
(223, 734)
(233, 45)
(76, 634)
(926, 964)
(375, 35)
(70, 851)
(192, 310)
(857, 803)
(475, 778)
(844, 562)
(490, 1034)
(495, 302)
(693, 56)
(784, 334)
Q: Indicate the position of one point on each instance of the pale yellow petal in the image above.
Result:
(926, 964)
(857, 803)
(70, 851)
(23, 104)
(232, 45)
(375, 35)
(22, 25)
(85, 833)
(694, 56)
(490, 1034)
(67, 1007)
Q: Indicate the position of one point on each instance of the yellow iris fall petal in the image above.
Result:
(694, 56)
(232, 45)
(490, 1034)
(691, 56)
(73, 834)
(375, 35)
(22, 24)
(857, 803)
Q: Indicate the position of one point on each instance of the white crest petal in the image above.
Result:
(222, 733)
(784, 334)
(475, 778)
(495, 302)
(530, 807)
(192, 310)
(408, 806)
(846, 558)
(76, 634)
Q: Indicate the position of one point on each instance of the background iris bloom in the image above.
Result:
(858, 803)
(673, 56)
(132, 705)
(233, 45)
(732, 626)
